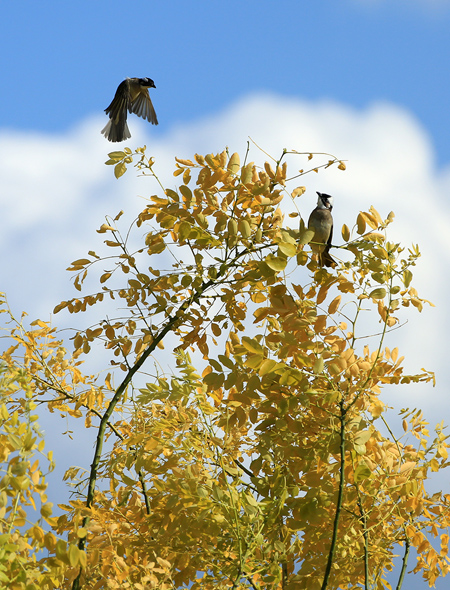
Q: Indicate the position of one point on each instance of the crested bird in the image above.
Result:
(131, 95)
(321, 223)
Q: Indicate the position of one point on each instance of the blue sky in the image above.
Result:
(367, 80)
(62, 61)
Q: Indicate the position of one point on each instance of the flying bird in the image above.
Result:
(132, 95)
(321, 223)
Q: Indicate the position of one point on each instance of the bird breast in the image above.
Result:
(321, 223)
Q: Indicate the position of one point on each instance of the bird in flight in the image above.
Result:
(321, 223)
(131, 95)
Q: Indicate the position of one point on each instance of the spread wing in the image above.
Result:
(120, 103)
(142, 106)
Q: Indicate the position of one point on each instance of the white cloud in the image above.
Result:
(56, 190)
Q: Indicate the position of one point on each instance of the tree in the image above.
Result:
(268, 461)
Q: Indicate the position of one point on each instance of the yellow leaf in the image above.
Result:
(82, 559)
(257, 297)
(46, 510)
(267, 367)
(297, 192)
(306, 236)
(247, 173)
(407, 277)
(105, 277)
(276, 263)
(184, 162)
(252, 345)
(244, 228)
(81, 262)
(362, 437)
(376, 215)
(370, 219)
(232, 227)
(434, 465)
(345, 233)
(287, 248)
(73, 555)
(186, 192)
(184, 229)
(163, 563)
(119, 170)
(234, 163)
(361, 224)
(60, 550)
(407, 467)
(318, 365)
(117, 155)
(334, 305)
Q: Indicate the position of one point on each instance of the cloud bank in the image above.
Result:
(56, 190)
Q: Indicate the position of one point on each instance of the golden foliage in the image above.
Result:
(232, 474)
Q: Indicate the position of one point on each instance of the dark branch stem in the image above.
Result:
(340, 496)
(404, 563)
(119, 392)
(144, 491)
(366, 544)
(170, 325)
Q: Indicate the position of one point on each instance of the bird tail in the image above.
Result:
(325, 259)
(116, 131)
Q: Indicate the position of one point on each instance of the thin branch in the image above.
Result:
(366, 543)
(404, 563)
(340, 497)
(170, 325)
(144, 491)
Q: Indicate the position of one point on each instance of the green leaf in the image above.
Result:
(306, 236)
(267, 367)
(244, 228)
(378, 293)
(252, 345)
(318, 365)
(254, 361)
(361, 472)
(184, 230)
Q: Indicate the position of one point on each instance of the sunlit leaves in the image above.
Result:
(378, 293)
(345, 233)
(119, 160)
(228, 473)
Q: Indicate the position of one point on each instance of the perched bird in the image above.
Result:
(132, 95)
(321, 223)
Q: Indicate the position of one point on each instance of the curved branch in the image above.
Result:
(340, 497)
